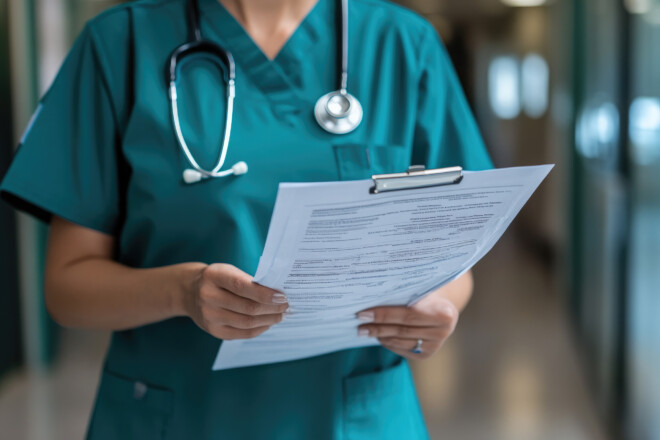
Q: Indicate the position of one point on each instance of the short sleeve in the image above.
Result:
(66, 164)
(446, 133)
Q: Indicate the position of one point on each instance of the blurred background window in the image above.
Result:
(645, 130)
(535, 82)
(504, 87)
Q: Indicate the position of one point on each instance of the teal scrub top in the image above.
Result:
(101, 152)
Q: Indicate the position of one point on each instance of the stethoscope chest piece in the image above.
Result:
(338, 112)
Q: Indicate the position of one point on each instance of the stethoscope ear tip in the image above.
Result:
(191, 176)
(239, 168)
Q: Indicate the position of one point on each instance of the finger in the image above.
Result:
(244, 322)
(394, 315)
(238, 304)
(230, 333)
(218, 298)
(401, 315)
(402, 331)
(239, 283)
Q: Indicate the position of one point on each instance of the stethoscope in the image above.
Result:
(337, 112)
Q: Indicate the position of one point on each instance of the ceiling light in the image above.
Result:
(524, 3)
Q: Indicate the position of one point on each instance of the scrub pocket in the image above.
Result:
(359, 161)
(382, 405)
(128, 409)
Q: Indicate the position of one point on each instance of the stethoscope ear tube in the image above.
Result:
(189, 175)
(225, 62)
(202, 46)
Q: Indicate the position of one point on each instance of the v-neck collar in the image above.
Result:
(280, 76)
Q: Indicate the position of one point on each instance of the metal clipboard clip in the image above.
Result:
(417, 176)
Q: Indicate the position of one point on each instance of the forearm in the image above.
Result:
(99, 293)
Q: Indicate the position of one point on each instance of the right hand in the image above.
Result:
(227, 304)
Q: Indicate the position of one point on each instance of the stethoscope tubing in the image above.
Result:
(231, 94)
(343, 79)
(345, 120)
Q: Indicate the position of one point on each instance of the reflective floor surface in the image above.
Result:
(510, 372)
(511, 369)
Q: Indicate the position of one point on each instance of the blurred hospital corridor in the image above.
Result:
(561, 339)
(510, 371)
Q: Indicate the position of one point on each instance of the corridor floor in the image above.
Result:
(511, 369)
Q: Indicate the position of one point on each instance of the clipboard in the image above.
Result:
(417, 176)
(371, 250)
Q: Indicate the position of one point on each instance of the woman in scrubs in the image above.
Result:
(167, 265)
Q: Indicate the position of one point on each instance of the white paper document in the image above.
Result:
(335, 249)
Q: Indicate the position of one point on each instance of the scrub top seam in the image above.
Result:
(254, 60)
(422, 43)
(274, 102)
(100, 62)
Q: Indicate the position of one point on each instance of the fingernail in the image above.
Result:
(363, 332)
(280, 298)
(366, 316)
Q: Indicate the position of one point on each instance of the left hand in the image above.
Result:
(398, 328)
